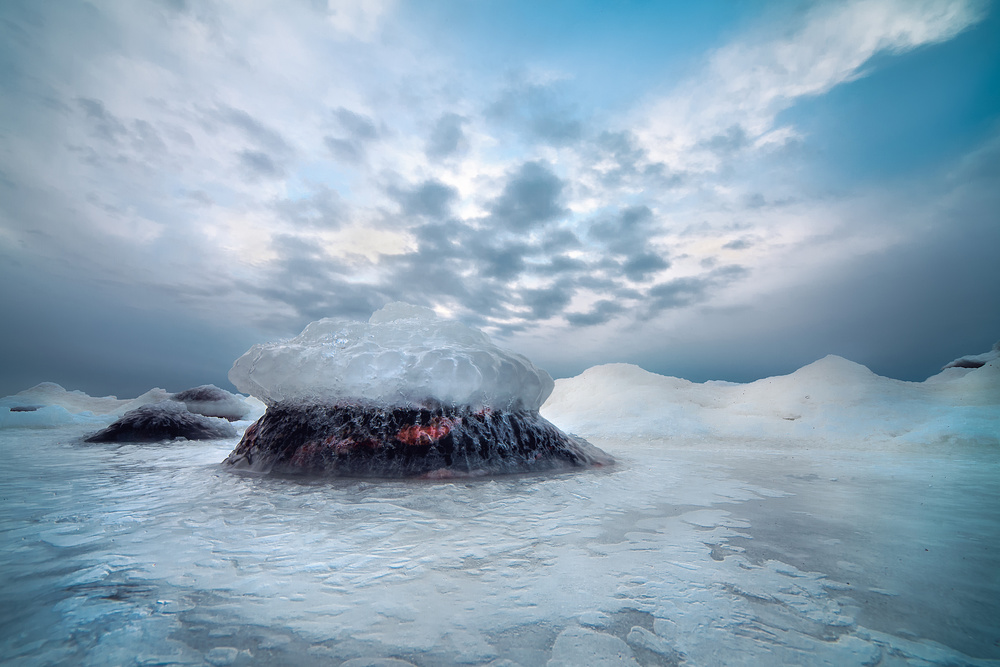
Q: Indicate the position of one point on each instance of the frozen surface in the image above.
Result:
(870, 543)
(404, 356)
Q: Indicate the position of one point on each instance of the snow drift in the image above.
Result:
(833, 401)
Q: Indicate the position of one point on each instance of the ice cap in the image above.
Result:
(404, 356)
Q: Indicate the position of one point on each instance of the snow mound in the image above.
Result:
(832, 400)
(77, 402)
(212, 401)
(404, 356)
(976, 360)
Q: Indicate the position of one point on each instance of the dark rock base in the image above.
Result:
(352, 441)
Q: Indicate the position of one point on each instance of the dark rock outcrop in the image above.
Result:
(163, 421)
(351, 441)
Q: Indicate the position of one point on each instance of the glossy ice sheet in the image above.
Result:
(154, 554)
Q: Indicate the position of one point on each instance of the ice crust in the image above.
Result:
(404, 356)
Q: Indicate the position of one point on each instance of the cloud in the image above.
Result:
(431, 198)
(640, 266)
(537, 108)
(736, 98)
(360, 131)
(259, 164)
(254, 130)
(603, 311)
(531, 197)
(447, 137)
(358, 19)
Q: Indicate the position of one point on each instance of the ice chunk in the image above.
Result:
(976, 360)
(211, 401)
(403, 357)
(164, 421)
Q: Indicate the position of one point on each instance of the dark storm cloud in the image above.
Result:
(538, 110)
(530, 198)
(447, 137)
(431, 198)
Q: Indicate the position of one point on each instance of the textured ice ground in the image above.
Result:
(859, 526)
(404, 356)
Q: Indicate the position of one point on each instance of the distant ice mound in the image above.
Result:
(211, 401)
(975, 360)
(163, 421)
(404, 356)
(831, 401)
(406, 394)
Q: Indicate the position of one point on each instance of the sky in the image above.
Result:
(713, 190)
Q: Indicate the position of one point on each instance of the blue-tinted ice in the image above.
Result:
(151, 554)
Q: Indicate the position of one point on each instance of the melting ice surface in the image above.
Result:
(404, 357)
(827, 517)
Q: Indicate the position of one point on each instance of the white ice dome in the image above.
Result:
(404, 356)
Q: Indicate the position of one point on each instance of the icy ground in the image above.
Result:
(856, 521)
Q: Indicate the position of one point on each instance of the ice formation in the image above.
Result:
(211, 401)
(164, 421)
(78, 402)
(406, 394)
(831, 400)
(403, 357)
